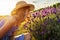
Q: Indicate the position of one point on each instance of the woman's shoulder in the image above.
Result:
(4, 17)
(8, 17)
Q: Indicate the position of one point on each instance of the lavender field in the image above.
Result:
(44, 24)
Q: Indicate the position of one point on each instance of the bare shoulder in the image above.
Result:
(9, 18)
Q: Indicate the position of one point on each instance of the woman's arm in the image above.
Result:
(7, 26)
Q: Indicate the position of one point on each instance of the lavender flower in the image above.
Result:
(34, 15)
(58, 20)
(44, 28)
(42, 32)
(54, 10)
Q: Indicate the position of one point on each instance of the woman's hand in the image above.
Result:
(27, 36)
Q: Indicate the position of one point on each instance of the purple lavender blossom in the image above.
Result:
(54, 10)
(34, 15)
(42, 32)
(58, 20)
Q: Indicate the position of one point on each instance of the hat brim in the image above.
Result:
(29, 5)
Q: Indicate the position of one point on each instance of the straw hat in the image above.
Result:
(22, 4)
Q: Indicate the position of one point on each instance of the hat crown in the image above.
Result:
(21, 3)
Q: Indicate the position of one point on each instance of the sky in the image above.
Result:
(6, 6)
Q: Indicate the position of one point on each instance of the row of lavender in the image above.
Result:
(44, 24)
(48, 10)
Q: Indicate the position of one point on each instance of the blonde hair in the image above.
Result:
(14, 12)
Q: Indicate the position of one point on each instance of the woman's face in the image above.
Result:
(23, 13)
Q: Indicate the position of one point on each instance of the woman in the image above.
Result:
(9, 24)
